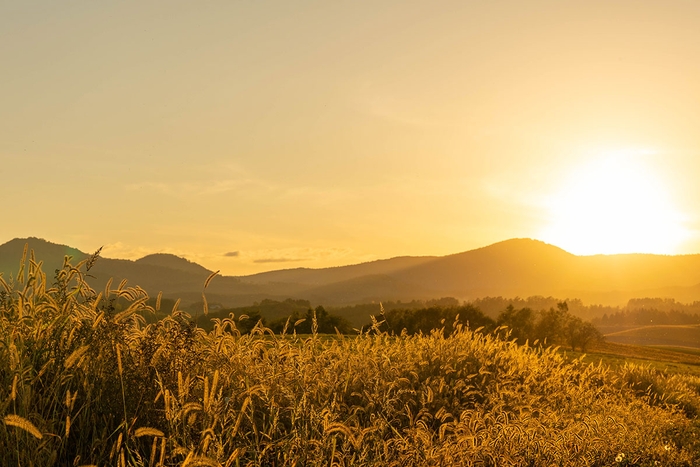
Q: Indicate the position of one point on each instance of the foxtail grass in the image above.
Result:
(85, 383)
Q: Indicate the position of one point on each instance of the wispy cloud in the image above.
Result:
(205, 180)
(199, 187)
(400, 110)
(243, 259)
(297, 255)
(120, 250)
(278, 260)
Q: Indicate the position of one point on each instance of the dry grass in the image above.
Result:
(664, 335)
(104, 388)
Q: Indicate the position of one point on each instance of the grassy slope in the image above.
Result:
(661, 335)
(672, 360)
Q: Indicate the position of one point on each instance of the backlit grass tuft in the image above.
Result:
(81, 384)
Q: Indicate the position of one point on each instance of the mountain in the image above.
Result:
(51, 254)
(511, 268)
(517, 267)
(367, 289)
(175, 277)
(317, 277)
(173, 262)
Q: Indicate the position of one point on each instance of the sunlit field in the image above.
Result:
(81, 384)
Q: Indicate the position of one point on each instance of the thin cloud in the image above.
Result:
(164, 188)
(296, 255)
(198, 188)
(232, 254)
(124, 251)
(210, 180)
(278, 260)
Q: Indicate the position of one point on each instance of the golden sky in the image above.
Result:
(258, 135)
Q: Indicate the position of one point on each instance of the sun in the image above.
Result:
(614, 203)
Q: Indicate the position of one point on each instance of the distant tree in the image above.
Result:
(588, 334)
(287, 324)
(550, 326)
(444, 302)
(425, 320)
(246, 323)
(520, 322)
(326, 323)
(579, 333)
(646, 316)
(553, 326)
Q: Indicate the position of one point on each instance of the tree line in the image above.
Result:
(645, 313)
(553, 326)
(525, 325)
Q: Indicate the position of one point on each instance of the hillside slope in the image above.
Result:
(517, 267)
(663, 335)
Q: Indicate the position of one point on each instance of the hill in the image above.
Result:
(324, 276)
(173, 262)
(175, 277)
(517, 267)
(660, 335)
(51, 254)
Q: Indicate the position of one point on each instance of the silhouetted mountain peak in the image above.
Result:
(516, 267)
(173, 262)
(52, 254)
(17, 244)
(523, 246)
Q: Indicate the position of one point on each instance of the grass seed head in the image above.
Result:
(24, 424)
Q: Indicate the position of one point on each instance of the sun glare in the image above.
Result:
(614, 203)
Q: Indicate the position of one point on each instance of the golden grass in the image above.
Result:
(24, 424)
(147, 431)
(103, 387)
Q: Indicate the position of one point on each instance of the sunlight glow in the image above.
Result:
(615, 203)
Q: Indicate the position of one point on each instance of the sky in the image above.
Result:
(251, 136)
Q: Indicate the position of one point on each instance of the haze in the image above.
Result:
(249, 136)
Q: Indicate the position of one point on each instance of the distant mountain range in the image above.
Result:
(518, 267)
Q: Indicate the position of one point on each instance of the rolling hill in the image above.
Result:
(51, 254)
(518, 267)
(662, 335)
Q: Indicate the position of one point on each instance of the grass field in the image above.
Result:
(685, 350)
(673, 360)
(662, 335)
(81, 384)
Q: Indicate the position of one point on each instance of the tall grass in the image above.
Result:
(82, 384)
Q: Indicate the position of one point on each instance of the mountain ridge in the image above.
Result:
(516, 267)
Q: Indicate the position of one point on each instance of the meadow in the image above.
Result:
(82, 383)
(671, 360)
(660, 335)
